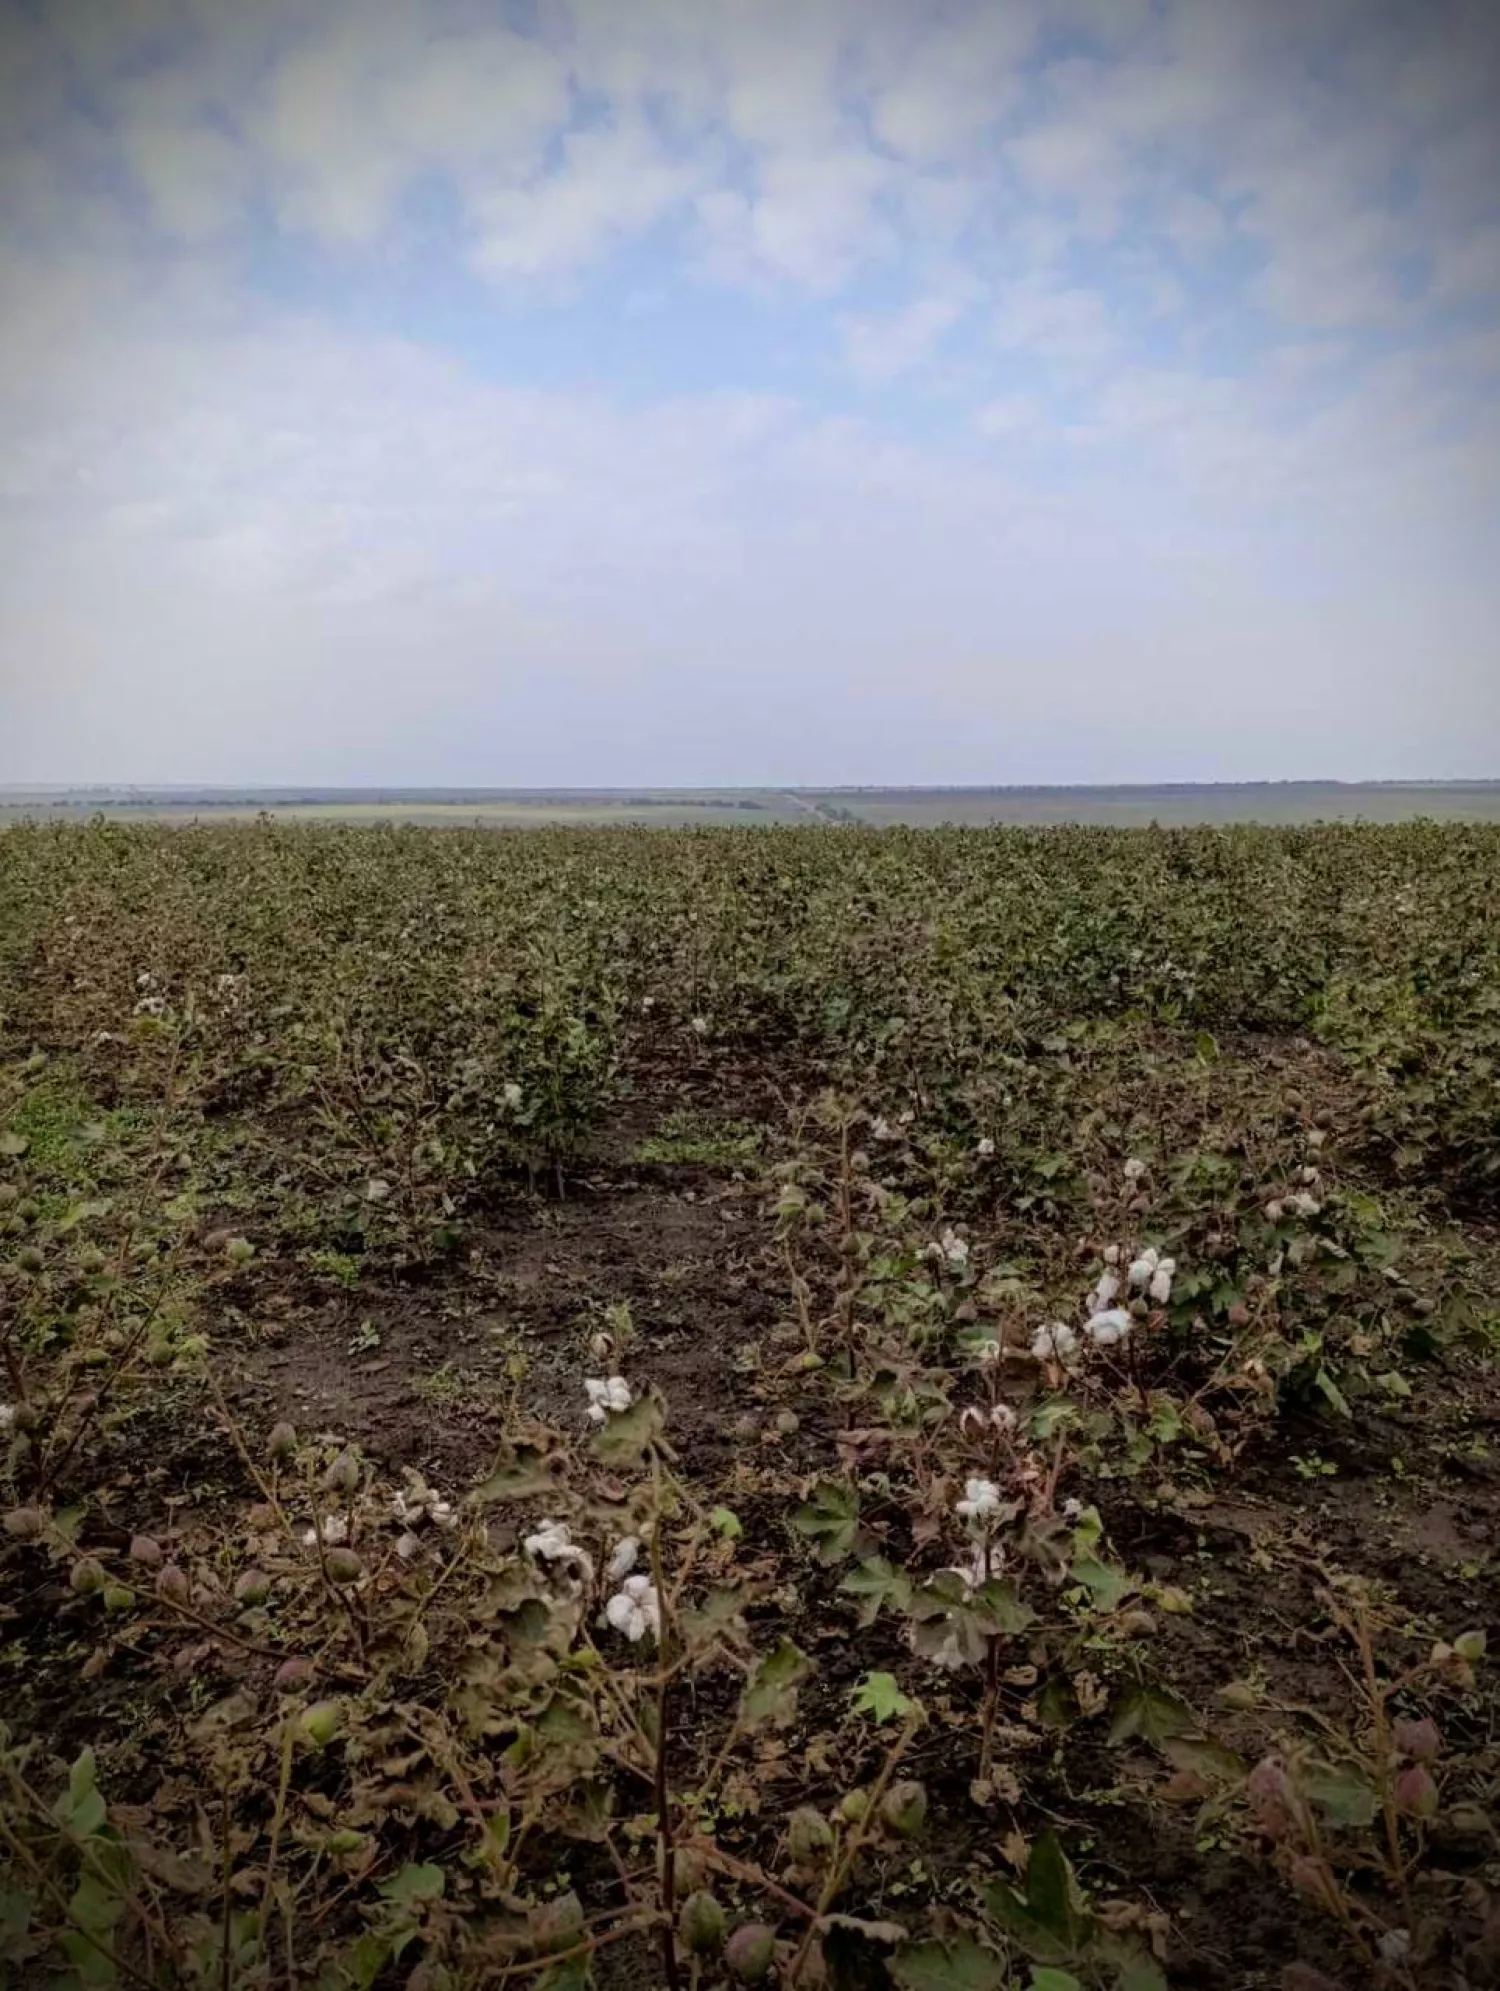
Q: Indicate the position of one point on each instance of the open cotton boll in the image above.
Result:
(623, 1558)
(1105, 1329)
(1161, 1281)
(605, 1394)
(1106, 1290)
(1141, 1268)
(635, 1609)
(1054, 1343)
(980, 1502)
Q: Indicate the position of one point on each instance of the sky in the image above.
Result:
(649, 392)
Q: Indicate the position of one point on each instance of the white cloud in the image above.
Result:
(1467, 265)
(357, 110)
(811, 219)
(881, 348)
(612, 182)
(954, 82)
(1062, 325)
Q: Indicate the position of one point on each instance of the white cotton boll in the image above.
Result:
(981, 1500)
(700, 1026)
(510, 1092)
(1105, 1291)
(1134, 1169)
(1142, 1268)
(623, 1558)
(1305, 1205)
(1054, 1343)
(550, 1541)
(635, 1609)
(1316, 1138)
(407, 1545)
(1274, 1211)
(1111, 1254)
(1105, 1329)
(984, 1148)
(955, 1249)
(1161, 1283)
(606, 1393)
(1310, 1176)
(7, 1417)
(334, 1529)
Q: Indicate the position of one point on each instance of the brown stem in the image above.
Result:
(666, 1852)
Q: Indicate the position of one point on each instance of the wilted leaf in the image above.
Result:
(521, 1474)
(1205, 1757)
(772, 1692)
(625, 1434)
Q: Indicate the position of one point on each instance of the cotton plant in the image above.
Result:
(1123, 1291)
(951, 1250)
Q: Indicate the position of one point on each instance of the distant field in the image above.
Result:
(1269, 802)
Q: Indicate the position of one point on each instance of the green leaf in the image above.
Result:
(1045, 1978)
(724, 1521)
(523, 1472)
(1155, 1716)
(829, 1519)
(772, 1691)
(1339, 1791)
(560, 1721)
(1332, 1393)
(957, 1965)
(625, 1434)
(998, 1611)
(1050, 1890)
(878, 1696)
(876, 1583)
(1105, 1584)
(415, 1883)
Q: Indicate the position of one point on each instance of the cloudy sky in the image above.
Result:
(671, 391)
